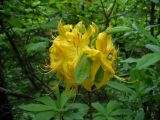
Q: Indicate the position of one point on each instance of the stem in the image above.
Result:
(90, 106)
(107, 15)
(60, 116)
(114, 3)
(152, 10)
(104, 11)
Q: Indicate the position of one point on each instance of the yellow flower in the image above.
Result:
(69, 47)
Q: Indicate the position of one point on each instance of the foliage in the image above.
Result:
(27, 30)
(110, 112)
(57, 109)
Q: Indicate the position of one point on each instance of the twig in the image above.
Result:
(107, 15)
(152, 7)
(118, 15)
(112, 8)
(104, 11)
(90, 105)
(25, 64)
(19, 56)
(9, 92)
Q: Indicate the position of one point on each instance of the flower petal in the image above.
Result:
(101, 42)
(87, 35)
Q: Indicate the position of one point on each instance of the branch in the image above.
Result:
(107, 15)
(9, 92)
(152, 10)
(90, 105)
(19, 57)
(112, 8)
(118, 15)
(24, 62)
(124, 13)
(104, 11)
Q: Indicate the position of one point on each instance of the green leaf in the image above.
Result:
(118, 112)
(99, 118)
(155, 1)
(119, 86)
(99, 108)
(122, 2)
(147, 60)
(135, 74)
(111, 106)
(63, 100)
(47, 101)
(83, 69)
(36, 107)
(140, 115)
(50, 25)
(79, 108)
(44, 115)
(36, 47)
(118, 29)
(154, 48)
(111, 118)
(35, 4)
(99, 75)
(72, 116)
(148, 35)
(52, 1)
(130, 60)
(76, 111)
(16, 22)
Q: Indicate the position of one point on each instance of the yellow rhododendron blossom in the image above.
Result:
(75, 41)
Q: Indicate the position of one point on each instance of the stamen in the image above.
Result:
(123, 79)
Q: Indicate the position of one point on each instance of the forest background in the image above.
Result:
(26, 30)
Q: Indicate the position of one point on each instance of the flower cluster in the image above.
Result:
(70, 47)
